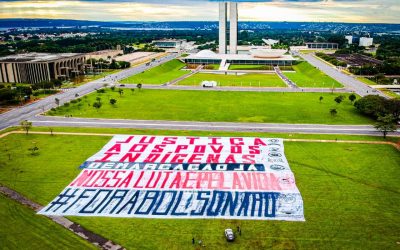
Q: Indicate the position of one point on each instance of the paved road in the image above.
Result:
(206, 126)
(14, 116)
(348, 81)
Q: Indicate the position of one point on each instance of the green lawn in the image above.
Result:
(220, 106)
(351, 194)
(249, 67)
(81, 80)
(366, 81)
(308, 76)
(21, 228)
(244, 80)
(212, 66)
(159, 75)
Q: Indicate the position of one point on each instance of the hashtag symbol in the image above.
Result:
(62, 199)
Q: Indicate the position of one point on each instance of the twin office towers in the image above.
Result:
(233, 27)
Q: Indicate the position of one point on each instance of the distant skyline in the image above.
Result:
(355, 11)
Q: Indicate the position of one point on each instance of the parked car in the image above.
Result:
(229, 235)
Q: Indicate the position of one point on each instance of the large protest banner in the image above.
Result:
(184, 177)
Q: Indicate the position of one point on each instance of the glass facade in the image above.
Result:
(248, 62)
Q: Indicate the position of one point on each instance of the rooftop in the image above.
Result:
(37, 57)
(207, 54)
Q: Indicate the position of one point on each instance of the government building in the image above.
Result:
(40, 67)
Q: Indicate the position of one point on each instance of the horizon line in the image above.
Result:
(160, 21)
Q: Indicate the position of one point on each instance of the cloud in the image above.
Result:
(176, 10)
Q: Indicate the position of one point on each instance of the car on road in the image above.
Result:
(229, 235)
(122, 85)
(209, 84)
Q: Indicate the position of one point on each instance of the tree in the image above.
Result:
(97, 105)
(386, 124)
(57, 102)
(321, 98)
(33, 149)
(121, 92)
(132, 91)
(26, 125)
(112, 88)
(333, 112)
(339, 99)
(98, 99)
(371, 105)
(352, 98)
(113, 101)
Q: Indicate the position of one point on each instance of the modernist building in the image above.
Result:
(233, 27)
(40, 67)
(105, 54)
(366, 41)
(322, 45)
(169, 43)
(256, 57)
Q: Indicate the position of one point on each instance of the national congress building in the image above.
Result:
(40, 67)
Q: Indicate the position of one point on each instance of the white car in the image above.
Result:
(209, 84)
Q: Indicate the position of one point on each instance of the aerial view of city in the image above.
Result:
(200, 124)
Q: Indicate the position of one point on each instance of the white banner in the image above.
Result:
(184, 177)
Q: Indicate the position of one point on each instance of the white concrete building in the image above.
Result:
(255, 57)
(233, 27)
(366, 41)
(270, 41)
(349, 39)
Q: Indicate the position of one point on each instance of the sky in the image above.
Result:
(359, 11)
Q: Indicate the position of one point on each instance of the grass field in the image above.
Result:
(21, 228)
(212, 66)
(217, 106)
(159, 75)
(244, 80)
(249, 67)
(78, 81)
(366, 81)
(390, 93)
(309, 77)
(350, 191)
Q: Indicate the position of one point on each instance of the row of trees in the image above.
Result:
(385, 111)
(331, 59)
(108, 64)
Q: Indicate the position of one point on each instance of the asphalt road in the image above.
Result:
(348, 81)
(27, 112)
(45, 121)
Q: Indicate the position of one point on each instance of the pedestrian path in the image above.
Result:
(288, 82)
